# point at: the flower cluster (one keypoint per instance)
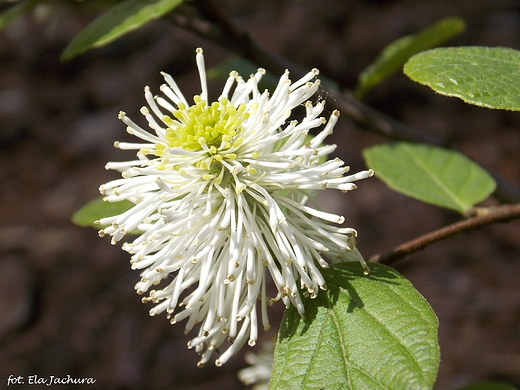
(219, 192)
(258, 373)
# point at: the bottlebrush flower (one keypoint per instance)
(220, 192)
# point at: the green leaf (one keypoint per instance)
(394, 56)
(364, 332)
(117, 21)
(489, 386)
(484, 76)
(434, 175)
(234, 62)
(97, 209)
(14, 11)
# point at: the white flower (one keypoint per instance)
(260, 367)
(219, 192)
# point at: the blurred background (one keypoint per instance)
(67, 299)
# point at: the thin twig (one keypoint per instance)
(369, 119)
(503, 213)
(211, 23)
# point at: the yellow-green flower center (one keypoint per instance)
(216, 126)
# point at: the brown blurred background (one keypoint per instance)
(67, 303)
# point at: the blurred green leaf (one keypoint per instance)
(117, 21)
(484, 76)
(233, 62)
(434, 175)
(14, 11)
(243, 67)
(395, 55)
(365, 332)
(97, 209)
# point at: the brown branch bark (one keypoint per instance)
(503, 213)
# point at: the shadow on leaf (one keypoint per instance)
(340, 279)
